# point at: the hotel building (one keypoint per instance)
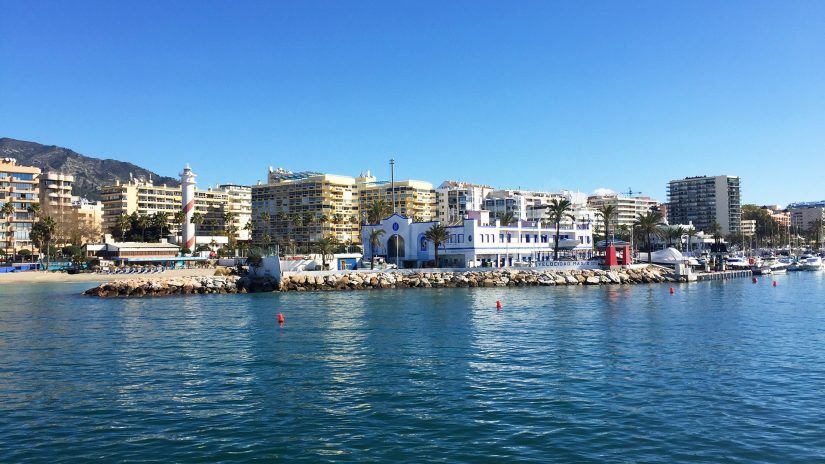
(704, 200)
(804, 215)
(478, 242)
(144, 198)
(304, 207)
(413, 198)
(240, 205)
(628, 208)
(454, 199)
(55, 193)
(18, 186)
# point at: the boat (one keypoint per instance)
(739, 262)
(810, 263)
(777, 265)
(764, 269)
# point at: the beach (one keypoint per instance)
(33, 277)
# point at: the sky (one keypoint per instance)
(547, 95)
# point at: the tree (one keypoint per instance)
(507, 218)
(438, 235)
(143, 222)
(326, 246)
(715, 231)
(607, 213)
(648, 226)
(179, 218)
(44, 231)
(690, 232)
(160, 220)
(674, 236)
(34, 209)
(378, 210)
(8, 210)
(375, 242)
(123, 223)
(557, 211)
(196, 219)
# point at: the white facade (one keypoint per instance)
(477, 242)
(454, 199)
(628, 208)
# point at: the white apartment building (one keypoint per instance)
(240, 205)
(704, 200)
(628, 208)
(454, 199)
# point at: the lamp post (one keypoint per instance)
(392, 187)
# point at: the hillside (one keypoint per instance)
(90, 173)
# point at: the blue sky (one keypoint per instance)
(543, 95)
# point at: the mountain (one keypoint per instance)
(89, 173)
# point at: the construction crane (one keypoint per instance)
(630, 192)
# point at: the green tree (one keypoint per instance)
(438, 235)
(690, 232)
(325, 246)
(8, 210)
(608, 213)
(375, 242)
(44, 231)
(507, 218)
(197, 219)
(143, 222)
(648, 225)
(378, 210)
(123, 224)
(557, 211)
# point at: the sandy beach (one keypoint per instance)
(34, 277)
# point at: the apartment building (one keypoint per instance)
(18, 186)
(704, 200)
(415, 199)
(55, 193)
(454, 199)
(748, 227)
(144, 198)
(804, 214)
(628, 208)
(303, 207)
(240, 205)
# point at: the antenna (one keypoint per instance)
(630, 192)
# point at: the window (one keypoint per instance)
(527, 238)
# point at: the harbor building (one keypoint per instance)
(303, 207)
(704, 200)
(804, 214)
(143, 197)
(413, 198)
(18, 186)
(480, 241)
(454, 199)
(628, 207)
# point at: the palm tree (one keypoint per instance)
(8, 210)
(179, 218)
(326, 246)
(44, 231)
(507, 218)
(143, 221)
(438, 235)
(123, 222)
(197, 219)
(715, 231)
(34, 209)
(375, 242)
(690, 232)
(557, 211)
(674, 236)
(161, 220)
(379, 209)
(648, 225)
(607, 213)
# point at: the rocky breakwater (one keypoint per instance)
(486, 278)
(182, 286)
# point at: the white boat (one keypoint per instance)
(810, 263)
(739, 262)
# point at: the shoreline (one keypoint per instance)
(42, 277)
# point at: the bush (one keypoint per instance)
(255, 257)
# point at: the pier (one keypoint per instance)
(724, 275)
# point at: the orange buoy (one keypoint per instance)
(498, 305)
(671, 290)
(280, 319)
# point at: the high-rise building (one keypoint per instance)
(144, 198)
(454, 199)
(240, 205)
(18, 186)
(415, 199)
(627, 207)
(706, 200)
(55, 193)
(303, 207)
(805, 214)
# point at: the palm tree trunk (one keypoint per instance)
(436, 254)
(649, 249)
(556, 247)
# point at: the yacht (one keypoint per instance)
(738, 262)
(810, 263)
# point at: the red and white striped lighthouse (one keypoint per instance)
(187, 186)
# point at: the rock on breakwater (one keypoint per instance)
(379, 280)
(485, 278)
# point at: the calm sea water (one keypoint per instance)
(717, 372)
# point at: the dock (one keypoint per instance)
(724, 275)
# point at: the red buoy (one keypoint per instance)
(754, 280)
(280, 319)
(774, 283)
(498, 305)
(671, 290)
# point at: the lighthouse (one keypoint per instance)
(187, 187)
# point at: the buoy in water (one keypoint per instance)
(753, 280)
(498, 305)
(774, 283)
(671, 290)
(280, 319)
